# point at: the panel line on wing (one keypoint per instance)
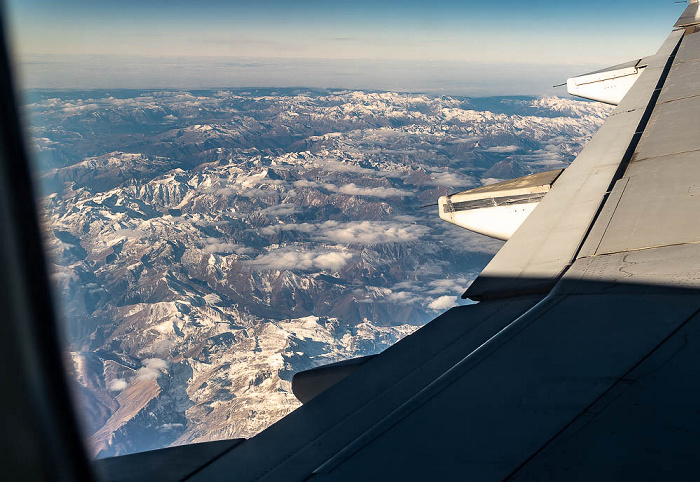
(643, 123)
(444, 381)
(595, 236)
(635, 250)
(607, 393)
(661, 156)
(629, 153)
(544, 247)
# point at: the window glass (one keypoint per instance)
(214, 228)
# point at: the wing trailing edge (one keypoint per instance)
(308, 384)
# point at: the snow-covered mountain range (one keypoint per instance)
(207, 245)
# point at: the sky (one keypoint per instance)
(474, 47)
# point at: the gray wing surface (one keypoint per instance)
(582, 357)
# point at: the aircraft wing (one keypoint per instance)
(582, 357)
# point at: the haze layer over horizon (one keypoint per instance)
(444, 47)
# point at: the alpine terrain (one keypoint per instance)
(207, 245)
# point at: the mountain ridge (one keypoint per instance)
(207, 245)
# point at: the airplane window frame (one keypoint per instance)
(41, 439)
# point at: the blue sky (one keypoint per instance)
(131, 43)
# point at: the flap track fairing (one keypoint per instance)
(607, 85)
(499, 209)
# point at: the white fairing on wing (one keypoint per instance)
(499, 209)
(608, 85)
(498, 222)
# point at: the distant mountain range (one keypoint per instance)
(207, 245)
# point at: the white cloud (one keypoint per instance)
(450, 179)
(353, 190)
(170, 426)
(401, 297)
(487, 181)
(415, 292)
(117, 385)
(214, 245)
(306, 183)
(221, 248)
(338, 166)
(407, 285)
(443, 303)
(465, 140)
(277, 228)
(461, 240)
(291, 259)
(255, 192)
(356, 232)
(223, 191)
(152, 368)
(502, 149)
(372, 232)
(446, 286)
(281, 209)
(334, 260)
(245, 191)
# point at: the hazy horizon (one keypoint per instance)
(431, 77)
(441, 47)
